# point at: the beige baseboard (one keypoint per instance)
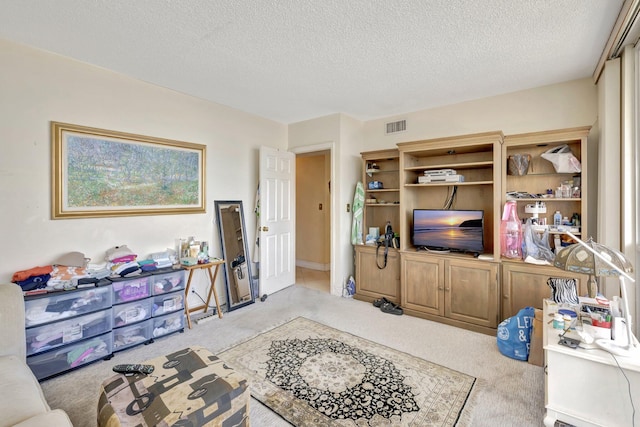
(312, 265)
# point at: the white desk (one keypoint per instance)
(586, 387)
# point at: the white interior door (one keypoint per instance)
(277, 220)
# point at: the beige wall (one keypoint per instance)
(344, 135)
(557, 106)
(38, 87)
(564, 105)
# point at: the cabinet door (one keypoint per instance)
(525, 285)
(423, 284)
(373, 282)
(471, 292)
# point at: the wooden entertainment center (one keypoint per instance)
(460, 289)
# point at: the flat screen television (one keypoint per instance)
(448, 230)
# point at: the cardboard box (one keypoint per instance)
(536, 353)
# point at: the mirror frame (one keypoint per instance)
(231, 258)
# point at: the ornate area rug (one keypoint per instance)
(314, 375)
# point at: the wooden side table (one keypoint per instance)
(212, 288)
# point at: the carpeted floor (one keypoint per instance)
(507, 392)
(312, 375)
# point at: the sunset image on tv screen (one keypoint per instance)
(448, 229)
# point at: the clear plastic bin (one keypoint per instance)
(128, 336)
(64, 304)
(50, 363)
(131, 289)
(53, 335)
(162, 283)
(167, 303)
(167, 324)
(133, 312)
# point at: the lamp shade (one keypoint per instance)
(597, 260)
(578, 259)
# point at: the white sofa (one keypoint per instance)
(21, 400)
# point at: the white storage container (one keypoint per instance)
(55, 306)
(167, 303)
(167, 324)
(131, 289)
(50, 363)
(168, 281)
(133, 312)
(53, 335)
(128, 336)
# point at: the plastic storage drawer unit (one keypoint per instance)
(168, 324)
(163, 282)
(131, 335)
(53, 335)
(167, 303)
(50, 363)
(130, 289)
(136, 311)
(64, 304)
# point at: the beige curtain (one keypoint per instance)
(618, 77)
(629, 172)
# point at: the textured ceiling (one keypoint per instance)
(291, 60)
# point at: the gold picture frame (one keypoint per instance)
(104, 173)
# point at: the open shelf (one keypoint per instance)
(449, 184)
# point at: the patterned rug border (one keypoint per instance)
(464, 418)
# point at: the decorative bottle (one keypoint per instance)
(511, 232)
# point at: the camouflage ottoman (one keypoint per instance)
(190, 387)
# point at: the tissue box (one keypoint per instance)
(188, 260)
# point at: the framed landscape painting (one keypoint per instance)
(103, 173)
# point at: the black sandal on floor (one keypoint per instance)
(378, 303)
(391, 308)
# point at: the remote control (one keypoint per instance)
(133, 369)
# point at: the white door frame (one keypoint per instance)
(327, 146)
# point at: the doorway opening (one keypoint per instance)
(313, 218)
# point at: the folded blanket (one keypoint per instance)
(35, 271)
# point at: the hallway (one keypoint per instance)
(313, 279)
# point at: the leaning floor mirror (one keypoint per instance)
(233, 241)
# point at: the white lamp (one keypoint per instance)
(577, 258)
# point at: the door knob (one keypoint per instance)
(265, 228)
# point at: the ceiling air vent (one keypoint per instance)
(395, 127)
